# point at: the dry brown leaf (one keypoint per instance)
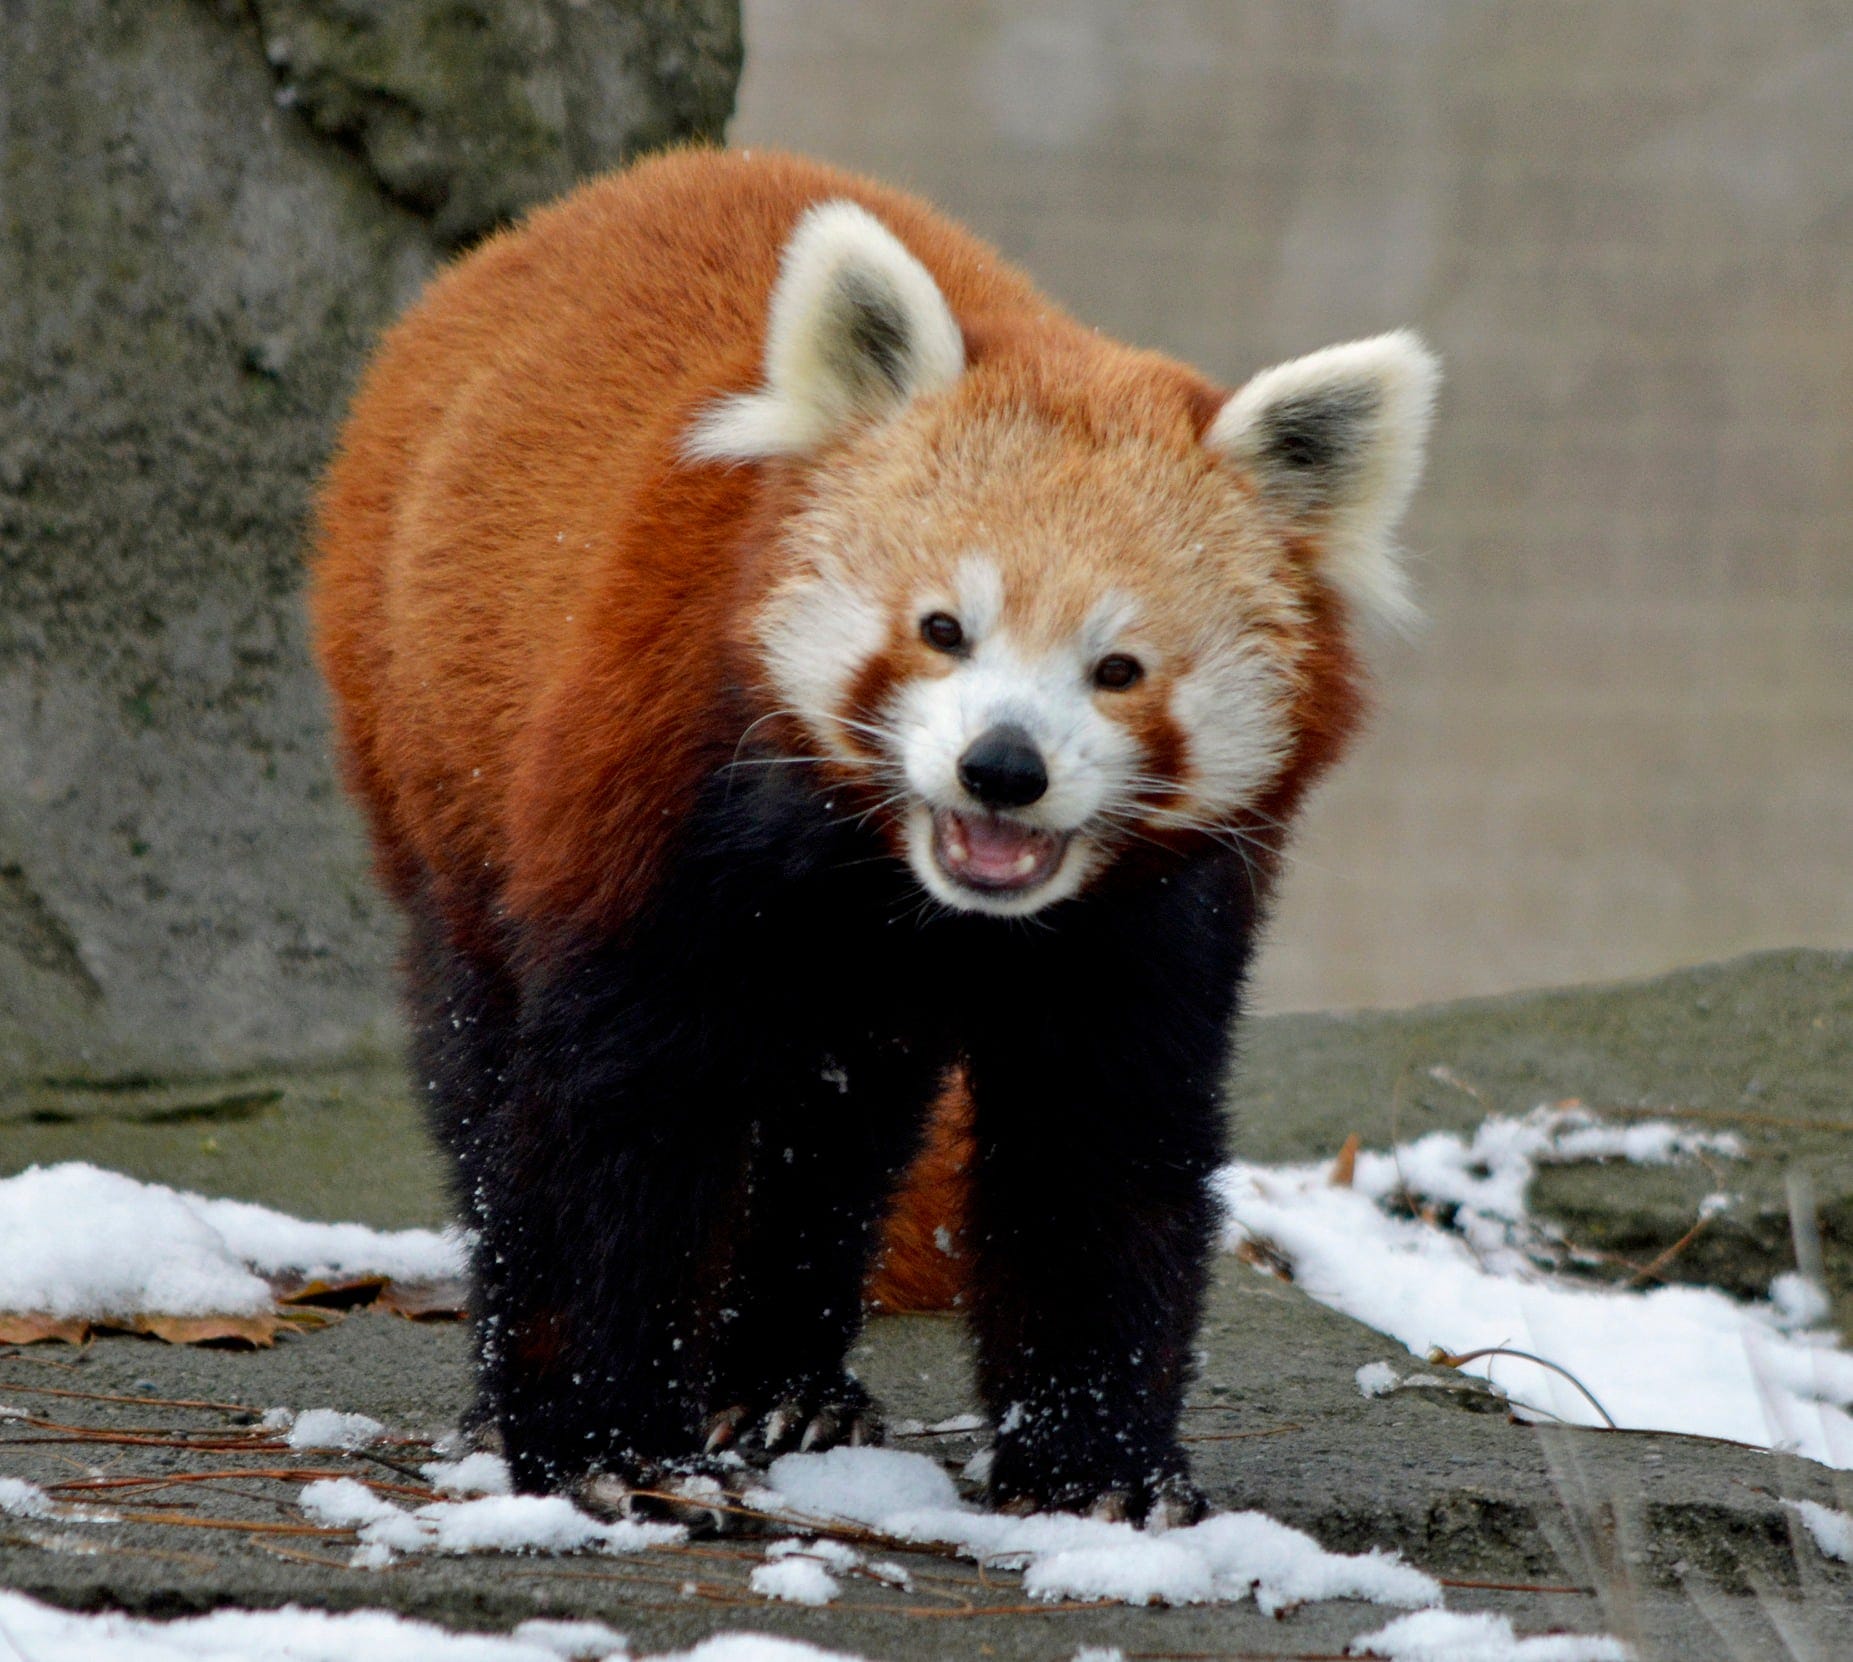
(1345, 1167)
(427, 1301)
(1265, 1255)
(32, 1330)
(253, 1332)
(333, 1295)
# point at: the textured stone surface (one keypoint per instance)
(206, 212)
(1673, 1541)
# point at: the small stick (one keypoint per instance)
(1442, 1359)
(1651, 1270)
(146, 1402)
(274, 1474)
(328, 1530)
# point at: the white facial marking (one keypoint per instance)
(978, 596)
(819, 630)
(1233, 710)
(1090, 759)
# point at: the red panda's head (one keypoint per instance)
(1046, 600)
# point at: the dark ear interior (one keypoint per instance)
(874, 341)
(1335, 439)
(1310, 443)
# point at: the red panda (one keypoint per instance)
(794, 675)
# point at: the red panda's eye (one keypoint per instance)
(1116, 672)
(943, 630)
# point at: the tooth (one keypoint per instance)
(1026, 863)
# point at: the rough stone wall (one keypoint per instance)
(206, 213)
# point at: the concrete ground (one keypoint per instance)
(1679, 1543)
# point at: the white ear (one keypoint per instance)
(1337, 439)
(857, 329)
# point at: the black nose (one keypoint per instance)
(1003, 768)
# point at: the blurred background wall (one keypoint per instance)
(1625, 740)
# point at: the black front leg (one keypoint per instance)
(827, 1157)
(609, 1205)
(1097, 1069)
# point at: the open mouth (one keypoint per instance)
(998, 855)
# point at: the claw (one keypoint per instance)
(1176, 1506)
(698, 1506)
(780, 1424)
(722, 1428)
(1115, 1506)
(823, 1431)
(607, 1496)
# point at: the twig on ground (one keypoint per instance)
(104, 1396)
(1445, 1359)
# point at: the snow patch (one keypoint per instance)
(573, 1641)
(80, 1242)
(1225, 1558)
(20, 1499)
(329, 1428)
(475, 1474)
(1832, 1530)
(493, 1523)
(1683, 1359)
(1447, 1636)
(796, 1580)
(49, 1635)
(1376, 1379)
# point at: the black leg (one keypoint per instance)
(825, 1164)
(462, 1009)
(1096, 1080)
(610, 1203)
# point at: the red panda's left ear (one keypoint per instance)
(1336, 440)
(856, 329)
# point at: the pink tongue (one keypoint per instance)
(995, 846)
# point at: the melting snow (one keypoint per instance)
(1832, 1530)
(1684, 1359)
(492, 1523)
(1445, 1636)
(329, 1428)
(20, 1499)
(796, 1580)
(1225, 1558)
(48, 1635)
(76, 1241)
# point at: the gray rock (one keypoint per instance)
(1682, 1544)
(207, 211)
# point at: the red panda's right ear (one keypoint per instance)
(857, 329)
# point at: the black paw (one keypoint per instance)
(799, 1419)
(703, 1496)
(1162, 1497)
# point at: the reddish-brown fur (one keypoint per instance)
(526, 598)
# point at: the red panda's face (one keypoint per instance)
(1041, 603)
(1033, 651)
